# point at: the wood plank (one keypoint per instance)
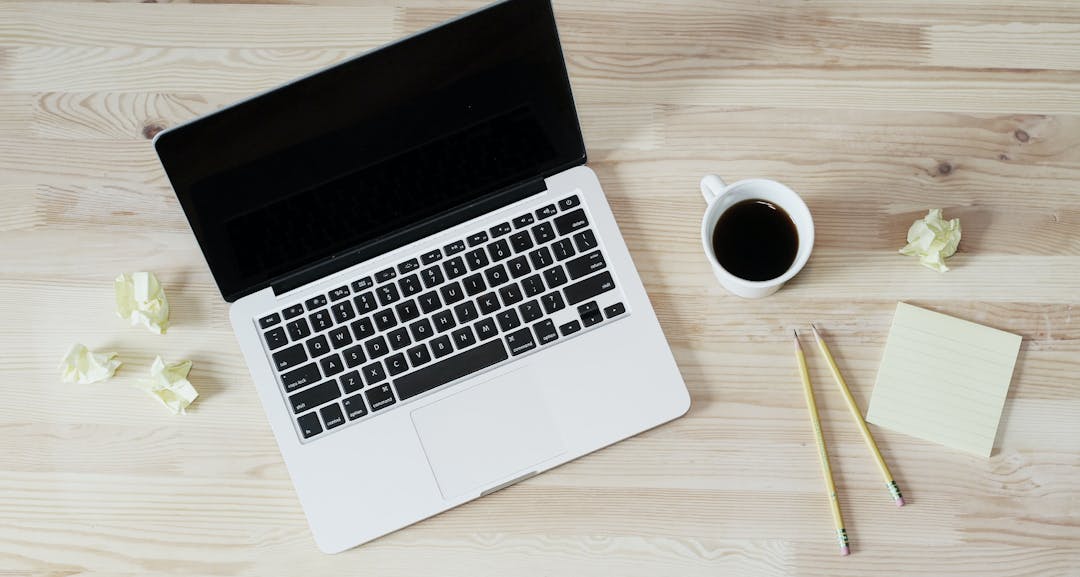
(1049, 45)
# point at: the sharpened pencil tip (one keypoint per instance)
(814, 328)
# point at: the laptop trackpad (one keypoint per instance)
(492, 432)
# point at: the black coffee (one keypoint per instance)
(755, 240)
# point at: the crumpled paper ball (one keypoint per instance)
(933, 239)
(141, 300)
(168, 383)
(80, 365)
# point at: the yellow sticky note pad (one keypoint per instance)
(943, 379)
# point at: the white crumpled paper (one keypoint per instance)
(83, 366)
(933, 239)
(141, 300)
(168, 383)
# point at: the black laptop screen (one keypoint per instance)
(311, 171)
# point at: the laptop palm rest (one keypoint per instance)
(497, 430)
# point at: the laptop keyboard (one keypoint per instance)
(442, 315)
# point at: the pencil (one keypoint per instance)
(838, 519)
(857, 414)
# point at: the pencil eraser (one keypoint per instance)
(899, 501)
(845, 550)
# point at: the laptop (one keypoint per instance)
(426, 281)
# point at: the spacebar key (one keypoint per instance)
(449, 369)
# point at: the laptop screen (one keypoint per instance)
(311, 172)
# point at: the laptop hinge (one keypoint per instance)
(404, 236)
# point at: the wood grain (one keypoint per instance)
(873, 111)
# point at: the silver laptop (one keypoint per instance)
(427, 283)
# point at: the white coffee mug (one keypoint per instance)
(722, 197)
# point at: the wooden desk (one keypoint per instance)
(875, 112)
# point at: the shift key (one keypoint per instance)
(314, 396)
(589, 288)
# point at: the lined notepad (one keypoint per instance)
(943, 379)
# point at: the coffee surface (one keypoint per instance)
(755, 240)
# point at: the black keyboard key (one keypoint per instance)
(309, 425)
(450, 369)
(552, 302)
(589, 288)
(444, 321)
(431, 256)
(410, 285)
(489, 303)
(454, 267)
(331, 415)
(298, 329)
(373, 373)
(418, 355)
(320, 320)
(408, 266)
(343, 311)
(571, 221)
(441, 346)
(331, 365)
(523, 220)
(407, 311)
(385, 319)
(301, 377)
(315, 302)
(496, 275)
(545, 331)
(269, 321)
(429, 302)
(293, 311)
(518, 266)
(585, 240)
(500, 229)
(614, 310)
(339, 293)
(587, 308)
(530, 311)
(362, 328)
(354, 356)
(380, 397)
(508, 319)
(543, 232)
(432, 276)
(532, 285)
(592, 318)
(376, 347)
(477, 259)
(275, 339)
(312, 397)
(290, 357)
(452, 293)
(555, 276)
(466, 312)
(510, 294)
(520, 341)
(365, 303)
(563, 249)
(454, 247)
(485, 328)
(316, 346)
(585, 265)
(474, 284)
(421, 330)
(541, 258)
(388, 294)
(359, 285)
(546, 212)
(521, 241)
(351, 382)
(463, 337)
(396, 364)
(398, 338)
(570, 328)
(354, 407)
(477, 238)
(569, 202)
(499, 250)
(385, 275)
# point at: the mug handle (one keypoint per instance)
(712, 186)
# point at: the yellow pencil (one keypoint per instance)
(857, 414)
(841, 534)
